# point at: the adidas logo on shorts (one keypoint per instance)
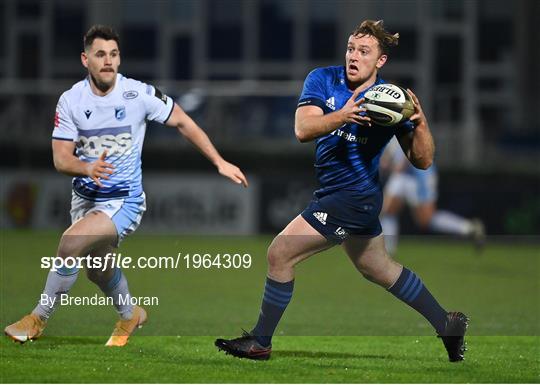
(321, 217)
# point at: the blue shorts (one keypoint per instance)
(345, 212)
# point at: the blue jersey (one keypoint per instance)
(348, 157)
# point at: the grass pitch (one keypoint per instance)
(338, 327)
(296, 360)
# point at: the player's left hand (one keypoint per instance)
(232, 172)
(418, 116)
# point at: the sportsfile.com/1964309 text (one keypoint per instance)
(187, 261)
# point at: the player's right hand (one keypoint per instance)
(352, 109)
(232, 172)
(100, 169)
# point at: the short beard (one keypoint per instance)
(103, 87)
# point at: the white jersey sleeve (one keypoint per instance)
(159, 106)
(64, 128)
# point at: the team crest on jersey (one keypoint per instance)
(120, 112)
(130, 94)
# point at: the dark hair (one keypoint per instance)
(376, 29)
(98, 31)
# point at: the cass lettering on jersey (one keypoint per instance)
(349, 156)
(116, 123)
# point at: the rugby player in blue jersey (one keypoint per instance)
(345, 210)
(98, 136)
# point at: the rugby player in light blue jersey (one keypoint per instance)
(418, 189)
(345, 210)
(98, 135)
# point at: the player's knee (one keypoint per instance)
(392, 207)
(423, 223)
(424, 215)
(374, 270)
(369, 272)
(273, 257)
(277, 255)
(71, 246)
(366, 274)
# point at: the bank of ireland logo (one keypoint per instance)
(120, 112)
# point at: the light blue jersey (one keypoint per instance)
(115, 122)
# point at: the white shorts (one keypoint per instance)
(414, 189)
(126, 213)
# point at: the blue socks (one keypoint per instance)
(276, 297)
(410, 289)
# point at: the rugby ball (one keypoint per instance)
(388, 104)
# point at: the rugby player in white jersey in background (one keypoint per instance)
(418, 189)
(98, 135)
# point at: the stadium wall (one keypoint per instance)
(188, 203)
(203, 203)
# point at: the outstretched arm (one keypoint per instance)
(418, 145)
(192, 132)
(310, 122)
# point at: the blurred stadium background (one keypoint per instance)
(237, 66)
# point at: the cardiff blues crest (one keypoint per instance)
(120, 112)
